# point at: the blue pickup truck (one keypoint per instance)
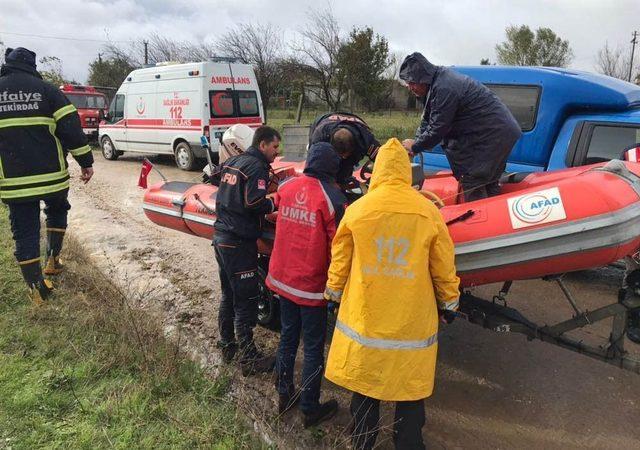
(568, 118)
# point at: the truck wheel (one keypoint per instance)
(108, 150)
(268, 304)
(185, 159)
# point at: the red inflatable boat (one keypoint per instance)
(542, 224)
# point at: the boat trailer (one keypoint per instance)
(497, 316)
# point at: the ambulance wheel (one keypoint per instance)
(268, 304)
(185, 159)
(108, 150)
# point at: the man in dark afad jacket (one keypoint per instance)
(38, 128)
(310, 208)
(350, 137)
(476, 129)
(241, 203)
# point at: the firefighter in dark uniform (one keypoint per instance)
(38, 127)
(350, 137)
(241, 203)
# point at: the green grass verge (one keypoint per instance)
(385, 124)
(87, 371)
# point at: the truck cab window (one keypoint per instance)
(522, 101)
(608, 141)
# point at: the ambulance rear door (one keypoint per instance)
(234, 97)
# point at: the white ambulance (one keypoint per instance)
(166, 108)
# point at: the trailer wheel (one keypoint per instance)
(268, 304)
(108, 150)
(185, 159)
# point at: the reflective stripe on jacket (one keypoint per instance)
(38, 127)
(392, 262)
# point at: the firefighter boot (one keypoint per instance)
(39, 287)
(633, 327)
(55, 236)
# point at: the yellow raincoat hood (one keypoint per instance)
(393, 266)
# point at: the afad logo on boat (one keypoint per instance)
(536, 208)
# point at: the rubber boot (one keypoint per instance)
(39, 287)
(633, 327)
(55, 237)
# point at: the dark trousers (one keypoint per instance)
(478, 189)
(477, 186)
(311, 322)
(238, 268)
(407, 425)
(25, 223)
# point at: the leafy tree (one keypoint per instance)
(109, 72)
(363, 59)
(523, 47)
(485, 62)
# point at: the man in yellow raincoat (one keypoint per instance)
(392, 270)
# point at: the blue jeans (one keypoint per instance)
(25, 223)
(311, 321)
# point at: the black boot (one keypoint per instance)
(228, 351)
(38, 286)
(287, 401)
(55, 237)
(633, 325)
(253, 362)
(324, 412)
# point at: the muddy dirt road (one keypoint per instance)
(492, 390)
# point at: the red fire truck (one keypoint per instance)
(91, 105)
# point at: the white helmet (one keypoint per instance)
(235, 141)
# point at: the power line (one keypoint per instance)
(633, 47)
(64, 38)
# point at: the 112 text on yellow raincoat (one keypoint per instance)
(393, 262)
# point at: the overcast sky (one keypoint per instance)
(446, 31)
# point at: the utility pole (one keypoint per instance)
(633, 47)
(146, 52)
(99, 58)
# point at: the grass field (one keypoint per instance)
(385, 124)
(87, 371)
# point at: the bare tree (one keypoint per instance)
(260, 45)
(160, 49)
(2, 50)
(320, 49)
(613, 62)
